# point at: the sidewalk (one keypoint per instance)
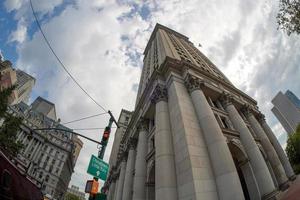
(293, 193)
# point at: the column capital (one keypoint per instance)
(226, 99)
(142, 124)
(132, 143)
(159, 94)
(193, 83)
(261, 118)
(247, 110)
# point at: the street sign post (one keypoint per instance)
(98, 168)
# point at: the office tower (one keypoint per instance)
(193, 134)
(287, 110)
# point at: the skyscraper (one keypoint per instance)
(193, 134)
(287, 110)
(23, 81)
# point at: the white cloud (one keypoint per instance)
(19, 35)
(12, 4)
(239, 36)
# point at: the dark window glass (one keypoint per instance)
(6, 179)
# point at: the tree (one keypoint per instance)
(288, 17)
(10, 125)
(70, 196)
(293, 149)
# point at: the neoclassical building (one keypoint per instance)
(193, 134)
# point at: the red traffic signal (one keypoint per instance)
(105, 135)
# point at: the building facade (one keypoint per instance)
(75, 191)
(287, 110)
(49, 156)
(193, 134)
(23, 82)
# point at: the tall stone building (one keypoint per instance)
(193, 134)
(23, 81)
(49, 156)
(287, 110)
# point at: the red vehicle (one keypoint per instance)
(14, 185)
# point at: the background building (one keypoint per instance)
(75, 191)
(287, 110)
(23, 81)
(49, 156)
(193, 134)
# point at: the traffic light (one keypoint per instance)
(92, 186)
(105, 135)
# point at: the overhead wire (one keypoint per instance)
(82, 129)
(76, 120)
(59, 60)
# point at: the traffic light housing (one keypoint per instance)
(105, 136)
(92, 186)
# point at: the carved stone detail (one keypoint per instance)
(247, 110)
(159, 94)
(142, 124)
(132, 143)
(226, 99)
(261, 118)
(193, 83)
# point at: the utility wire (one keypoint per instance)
(60, 62)
(81, 129)
(76, 120)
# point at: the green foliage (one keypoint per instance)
(10, 125)
(288, 17)
(293, 150)
(70, 196)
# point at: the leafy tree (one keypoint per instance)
(293, 150)
(70, 196)
(288, 17)
(10, 125)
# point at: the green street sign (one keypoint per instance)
(98, 168)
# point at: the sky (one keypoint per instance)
(101, 43)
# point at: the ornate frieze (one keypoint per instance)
(160, 93)
(193, 83)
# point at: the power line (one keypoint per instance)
(60, 62)
(81, 129)
(76, 120)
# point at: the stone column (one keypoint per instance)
(121, 179)
(128, 182)
(116, 188)
(165, 174)
(36, 150)
(260, 169)
(139, 189)
(28, 146)
(268, 148)
(227, 179)
(112, 188)
(280, 152)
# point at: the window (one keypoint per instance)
(41, 175)
(57, 170)
(47, 178)
(6, 179)
(225, 122)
